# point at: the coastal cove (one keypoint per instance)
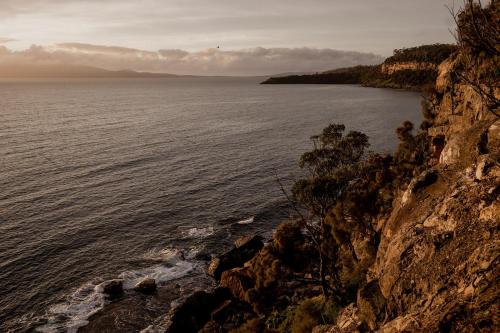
(141, 177)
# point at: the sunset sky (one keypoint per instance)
(181, 36)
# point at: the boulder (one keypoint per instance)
(113, 288)
(247, 241)
(245, 249)
(215, 268)
(371, 304)
(220, 314)
(347, 321)
(195, 312)
(237, 281)
(494, 137)
(210, 327)
(425, 179)
(232, 314)
(451, 152)
(484, 162)
(146, 286)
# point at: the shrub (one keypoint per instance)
(292, 246)
(312, 312)
(281, 321)
(252, 326)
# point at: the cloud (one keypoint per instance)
(4, 40)
(361, 25)
(252, 61)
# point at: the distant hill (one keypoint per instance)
(70, 71)
(350, 75)
(291, 74)
(408, 68)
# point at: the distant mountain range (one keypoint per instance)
(71, 71)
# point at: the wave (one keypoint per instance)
(162, 254)
(88, 299)
(199, 232)
(74, 313)
(161, 273)
(246, 221)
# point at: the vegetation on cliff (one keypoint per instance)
(478, 36)
(431, 54)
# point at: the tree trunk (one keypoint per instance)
(322, 274)
(322, 262)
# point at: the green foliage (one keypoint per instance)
(351, 75)
(292, 246)
(434, 54)
(478, 29)
(331, 165)
(288, 237)
(346, 189)
(267, 268)
(404, 79)
(478, 62)
(312, 312)
(281, 321)
(412, 151)
(251, 326)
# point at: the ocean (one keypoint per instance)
(106, 178)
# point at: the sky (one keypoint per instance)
(182, 36)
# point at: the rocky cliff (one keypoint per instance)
(430, 263)
(404, 66)
(402, 243)
(437, 263)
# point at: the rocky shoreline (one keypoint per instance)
(411, 245)
(420, 253)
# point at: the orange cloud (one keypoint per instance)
(4, 40)
(253, 61)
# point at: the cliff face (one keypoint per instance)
(437, 263)
(412, 66)
(431, 264)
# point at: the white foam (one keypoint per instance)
(162, 254)
(246, 221)
(74, 313)
(161, 273)
(199, 232)
(89, 298)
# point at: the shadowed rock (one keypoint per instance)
(113, 288)
(196, 311)
(245, 249)
(146, 286)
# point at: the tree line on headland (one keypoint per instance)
(418, 69)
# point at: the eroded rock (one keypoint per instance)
(113, 288)
(237, 281)
(371, 304)
(245, 249)
(194, 313)
(146, 286)
(425, 179)
(484, 162)
(494, 137)
(451, 152)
